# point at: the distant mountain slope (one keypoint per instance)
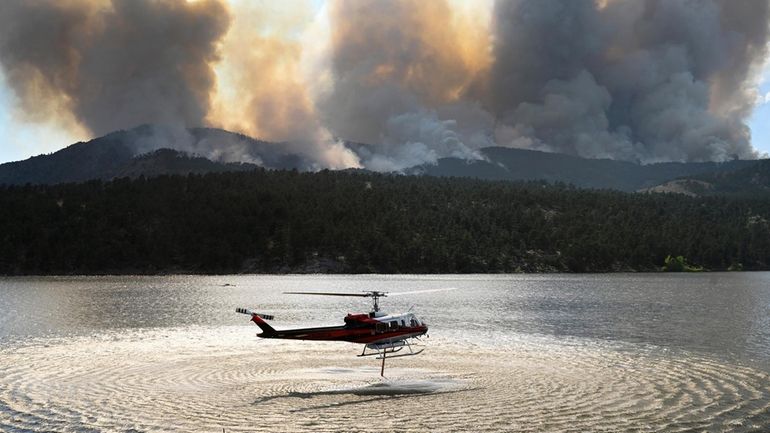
(751, 180)
(132, 153)
(96, 159)
(519, 164)
(168, 161)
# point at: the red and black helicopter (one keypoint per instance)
(383, 335)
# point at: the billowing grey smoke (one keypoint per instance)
(415, 138)
(113, 64)
(214, 144)
(641, 80)
(398, 67)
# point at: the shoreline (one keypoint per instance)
(290, 274)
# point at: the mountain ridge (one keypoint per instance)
(124, 152)
(503, 163)
(134, 152)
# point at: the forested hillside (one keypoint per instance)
(285, 221)
(153, 150)
(150, 150)
(503, 163)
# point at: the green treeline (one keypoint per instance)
(285, 221)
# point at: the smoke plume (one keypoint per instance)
(387, 84)
(394, 66)
(113, 64)
(263, 90)
(641, 80)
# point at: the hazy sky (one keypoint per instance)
(20, 139)
(760, 118)
(636, 80)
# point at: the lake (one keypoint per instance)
(561, 353)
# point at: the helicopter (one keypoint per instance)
(383, 335)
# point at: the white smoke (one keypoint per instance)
(417, 138)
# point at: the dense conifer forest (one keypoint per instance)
(286, 221)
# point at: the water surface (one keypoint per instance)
(620, 352)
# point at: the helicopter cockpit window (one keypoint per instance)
(403, 323)
(394, 324)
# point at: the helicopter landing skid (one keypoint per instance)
(384, 350)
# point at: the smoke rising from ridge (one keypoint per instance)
(415, 81)
(113, 65)
(267, 95)
(394, 65)
(642, 80)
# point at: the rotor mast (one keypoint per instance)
(375, 295)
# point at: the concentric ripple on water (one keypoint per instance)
(223, 378)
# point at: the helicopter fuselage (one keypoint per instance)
(383, 335)
(375, 327)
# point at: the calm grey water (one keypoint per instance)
(620, 352)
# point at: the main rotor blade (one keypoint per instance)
(358, 295)
(414, 292)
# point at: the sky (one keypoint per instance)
(642, 80)
(20, 139)
(759, 122)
